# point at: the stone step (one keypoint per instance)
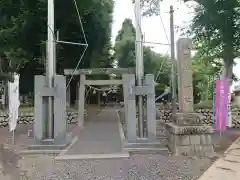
(46, 147)
(47, 144)
(161, 136)
(47, 141)
(147, 148)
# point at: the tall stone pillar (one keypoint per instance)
(130, 107)
(76, 102)
(184, 69)
(186, 134)
(81, 100)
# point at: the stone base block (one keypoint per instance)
(189, 140)
(187, 119)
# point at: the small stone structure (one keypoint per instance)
(187, 135)
(56, 134)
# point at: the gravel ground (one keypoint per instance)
(138, 167)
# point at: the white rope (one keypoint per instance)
(85, 39)
(159, 43)
(80, 21)
(161, 65)
(165, 32)
(77, 66)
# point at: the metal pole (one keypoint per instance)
(173, 76)
(139, 64)
(50, 68)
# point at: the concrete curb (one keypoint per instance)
(226, 167)
(70, 145)
(123, 138)
(93, 156)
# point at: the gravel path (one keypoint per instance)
(137, 167)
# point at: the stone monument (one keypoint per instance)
(186, 135)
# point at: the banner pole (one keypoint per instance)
(213, 108)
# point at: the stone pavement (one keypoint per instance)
(101, 136)
(226, 167)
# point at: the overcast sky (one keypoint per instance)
(152, 27)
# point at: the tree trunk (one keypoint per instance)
(227, 72)
(204, 93)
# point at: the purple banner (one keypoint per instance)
(221, 105)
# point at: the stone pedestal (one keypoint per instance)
(186, 135)
(60, 137)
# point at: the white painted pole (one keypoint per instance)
(50, 68)
(139, 64)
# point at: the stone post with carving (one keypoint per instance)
(186, 134)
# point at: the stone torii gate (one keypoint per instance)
(130, 91)
(83, 82)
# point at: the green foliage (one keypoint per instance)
(215, 31)
(125, 55)
(125, 45)
(23, 33)
(24, 25)
(204, 105)
(204, 76)
(150, 7)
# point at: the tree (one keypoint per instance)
(216, 28)
(125, 55)
(23, 32)
(125, 45)
(204, 76)
(150, 7)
